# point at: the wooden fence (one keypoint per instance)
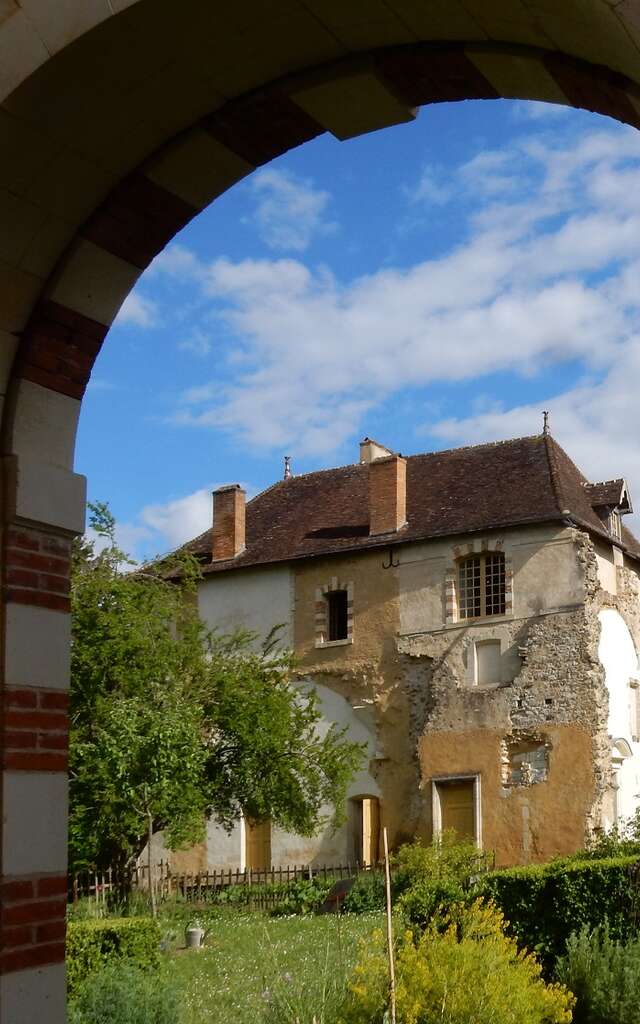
(104, 887)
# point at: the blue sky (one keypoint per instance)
(431, 285)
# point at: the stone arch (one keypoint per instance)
(120, 120)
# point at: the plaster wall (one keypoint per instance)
(222, 849)
(367, 671)
(521, 824)
(617, 653)
(252, 599)
(329, 846)
(550, 693)
(226, 850)
(546, 574)
(607, 574)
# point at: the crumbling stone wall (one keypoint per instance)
(556, 698)
(433, 723)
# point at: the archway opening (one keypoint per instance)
(101, 176)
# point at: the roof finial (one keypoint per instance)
(287, 467)
(545, 423)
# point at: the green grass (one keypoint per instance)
(253, 968)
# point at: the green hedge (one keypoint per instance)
(545, 903)
(93, 944)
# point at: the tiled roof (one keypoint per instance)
(607, 493)
(460, 491)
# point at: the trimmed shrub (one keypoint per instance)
(426, 899)
(123, 994)
(459, 971)
(545, 903)
(604, 976)
(92, 945)
(427, 880)
(446, 859)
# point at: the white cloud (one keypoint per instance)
(177, 261)
(432, 188)
(547, 273)
(197, 341)
(597, 422)
(165, 526)
(289, 211)
(537, 110)
(179, 519)
(138, 310)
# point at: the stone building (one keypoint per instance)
(472, 615)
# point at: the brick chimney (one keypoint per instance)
(371, 450)
(387, 494)
(228, 522)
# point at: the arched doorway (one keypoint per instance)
(120, 121)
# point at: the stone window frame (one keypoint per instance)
(473, 656)
(436, 809)
(322, 612)
(458, 553)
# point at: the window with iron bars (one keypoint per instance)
(481, 585)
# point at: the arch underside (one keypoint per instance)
(119, 122)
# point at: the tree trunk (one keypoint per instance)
(152, 881)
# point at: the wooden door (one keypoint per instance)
(370, 830)
(457, 807)
(258, 845)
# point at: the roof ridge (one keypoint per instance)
(416, 455)
(312, 472)
(554, 473)
(472, 447)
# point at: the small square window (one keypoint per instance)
(338, 614)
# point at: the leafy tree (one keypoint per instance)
(171, 722)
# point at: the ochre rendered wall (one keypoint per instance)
(367, 671)
(521, 823)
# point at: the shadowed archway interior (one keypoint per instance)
(119, 123)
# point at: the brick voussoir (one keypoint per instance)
(31, 956)
(137, 219)
(56, 720)
(28, 761)
(35, 911)
(55, 602)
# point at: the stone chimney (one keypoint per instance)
(228, 522)
(387, 494)
(370, 450)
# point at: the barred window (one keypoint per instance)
(481, 585)
(338, 602)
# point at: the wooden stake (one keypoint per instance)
(392, 970)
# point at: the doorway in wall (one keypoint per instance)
(456, 806)
(365, 817)
(258, 845)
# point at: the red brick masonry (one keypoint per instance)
(32, 921)
(37, 568)
(35, 730)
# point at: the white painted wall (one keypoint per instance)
(253, 599)
(257, 600)
(617, 654)
(331, 847)
(328, 847)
